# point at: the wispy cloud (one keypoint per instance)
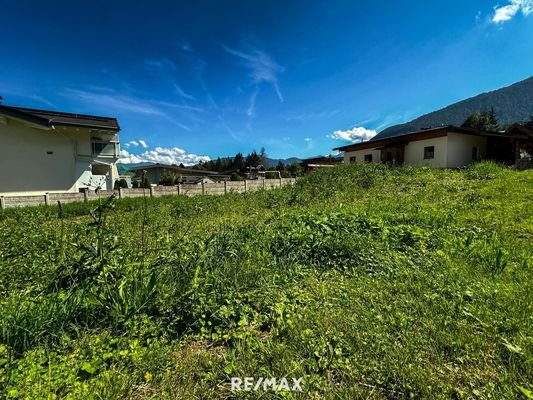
(507, 12)
(185, 46)
(312, 116)
(308, 139)
(251, 108)
(183, 94)
(111, 100)
(262, 67)
(7, 91)
(178, 106)
(356, 134)
(161, 64)
(163, 155)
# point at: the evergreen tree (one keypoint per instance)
(482, 121)
(529, 123)
(263, 158)
(238, 162)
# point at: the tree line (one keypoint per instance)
(238, 165)
(488, 121)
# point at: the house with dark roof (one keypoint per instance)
(48, 151)
(442, 147)
(156, 173)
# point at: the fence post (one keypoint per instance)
(46, 198)
(264, 182)
(119, 192)
(151, 191)
(245, 185)
(280, 181)
(179, 189)
(2, 203)
(225, 187)
(86, 195)
(203, 188)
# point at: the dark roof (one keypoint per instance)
(322, 159)
(51, 118)
(412, 136)
(519, 129)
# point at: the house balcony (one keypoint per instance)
(105, 149)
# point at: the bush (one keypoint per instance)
(121, 183)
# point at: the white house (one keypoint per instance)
(443, 147)
(48, 151)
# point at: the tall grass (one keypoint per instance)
(368, 282)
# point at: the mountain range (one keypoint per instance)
(512, 103)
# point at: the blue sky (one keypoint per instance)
(191, 80)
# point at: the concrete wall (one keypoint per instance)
(360, 155)
(460, 149)
(220, 188)
(36, 160)
(414, 152)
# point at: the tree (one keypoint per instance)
(263, 158)
(295, 169)
(238, 162)
(492, 120)
(120, 183)
(218, 165)
(529, 123)
(482, 121)
(168, 178)
(252, 159)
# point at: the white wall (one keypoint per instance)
(414, 152)
(460, 149)
(28, 168)
(360, 155)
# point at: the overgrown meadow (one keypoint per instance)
(366, 281)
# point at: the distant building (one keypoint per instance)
(47, 151)
(443, 147)
(156, 173)
(320, 162)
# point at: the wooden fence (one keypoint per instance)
(219, 188)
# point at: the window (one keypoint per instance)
(352, 159)
(475, 153)
(368, 157)
(388, 156)
(429, 152)
(103, 149)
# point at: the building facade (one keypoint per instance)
(47, 151)
(444, 147)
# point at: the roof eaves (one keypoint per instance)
(22, 115)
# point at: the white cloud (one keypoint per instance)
(263, 67)
(136, 143)
(505, 13)
(308, 139)
(163, 155)
(356, 134)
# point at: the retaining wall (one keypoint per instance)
(219, 188)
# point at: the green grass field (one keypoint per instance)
(365, 281)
